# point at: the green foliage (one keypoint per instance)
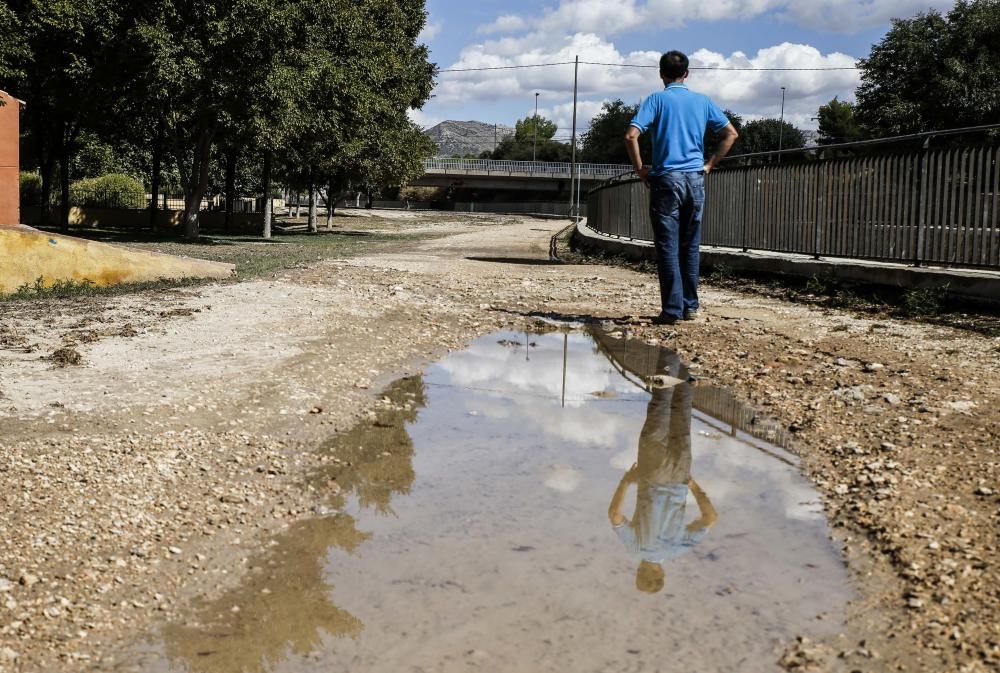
(113, 190)
(512, 149)
(712, 139)
(933, 72)
(31, 188)
(534, 127)
(765, 135)
(604, 142)
(924, 301)
(837, 123)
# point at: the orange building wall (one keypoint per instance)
(9, 161)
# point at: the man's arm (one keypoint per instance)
(634, 154)
(727, 137)
(708, 514)
(615, 515)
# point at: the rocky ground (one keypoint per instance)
(150, 442)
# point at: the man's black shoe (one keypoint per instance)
(664, 320)
(691, 314)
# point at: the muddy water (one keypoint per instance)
(537, 503)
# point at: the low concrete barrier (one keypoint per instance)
(29, 254)
(972, 285)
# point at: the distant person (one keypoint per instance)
(677, 118)
(657, 531)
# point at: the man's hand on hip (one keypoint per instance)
(643, 174)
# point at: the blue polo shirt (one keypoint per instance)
(678, 117)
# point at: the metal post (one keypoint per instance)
(821, 200)
(746, 199)
(781, 124)
(572, 211)
(534, 128)
(565, 353)
(922, 195)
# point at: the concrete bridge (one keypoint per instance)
(520, 175)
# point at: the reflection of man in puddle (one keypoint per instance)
(662, 476)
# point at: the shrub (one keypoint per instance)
(31, 188)
(109, 191)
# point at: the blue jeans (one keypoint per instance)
(676, 201)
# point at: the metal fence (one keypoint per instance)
(935, 206)
(523, 167)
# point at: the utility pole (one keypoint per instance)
(781, 124)
(534, 128)
(572, 170)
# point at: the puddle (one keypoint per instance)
(470, 527)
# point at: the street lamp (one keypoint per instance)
(534, 128)
(781, 124)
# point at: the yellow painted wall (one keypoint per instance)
(27, 254)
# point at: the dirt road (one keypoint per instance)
(145, 474)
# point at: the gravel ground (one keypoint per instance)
(151, 442)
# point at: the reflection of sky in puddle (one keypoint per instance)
(475, 533)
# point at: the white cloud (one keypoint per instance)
(430, 31)
(612, 18)
(508, 23)
(422, 119)
(749, 93)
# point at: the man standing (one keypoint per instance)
(677, 119)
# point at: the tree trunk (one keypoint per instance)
(298, 200)
(64, 169)
(331, 206)
(232, 156)
(268, 202)
(155, 176)
(370, 203)
(199, 183)
(47, 170)
(313, 224)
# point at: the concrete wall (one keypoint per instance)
(968, 285)
(29, 254)
(10, 191)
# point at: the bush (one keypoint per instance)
(109, 191)
(31, 188)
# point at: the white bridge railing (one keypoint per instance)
(489, 166)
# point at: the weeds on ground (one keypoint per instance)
(924, 301)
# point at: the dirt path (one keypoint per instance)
(147, 473)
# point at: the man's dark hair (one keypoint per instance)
(673, 65)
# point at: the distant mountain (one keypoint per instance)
(454, 138)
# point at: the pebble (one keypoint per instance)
(984, 490)
(872, 367)
(27, 580)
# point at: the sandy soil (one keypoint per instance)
(148, 472)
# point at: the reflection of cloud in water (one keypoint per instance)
(590, 425)
(486, 364)
(625, 459)
(563, 479)
(743, 473)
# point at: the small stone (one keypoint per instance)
(7, 655)
(174, 550)
(872, 367)
(892, 399)
(841, 362)
(887, 446)
(984, 490)
(5, 585)
(915, 603)
(27, 580)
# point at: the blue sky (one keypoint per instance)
(760, 33)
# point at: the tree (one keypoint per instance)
(765, 135)
(837, 123)
(526, 129)
(65, 60)
(604, 142)
(933, 72)
(712, 139)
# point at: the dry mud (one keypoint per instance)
(151, 443)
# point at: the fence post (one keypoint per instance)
(746, 197)
(629, 200)
(821, 207)
(922, 195)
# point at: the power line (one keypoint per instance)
(640, 65)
